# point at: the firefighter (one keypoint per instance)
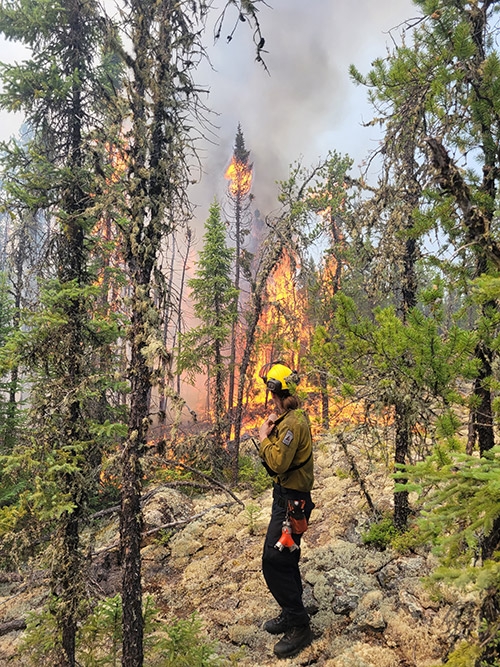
(286, 451)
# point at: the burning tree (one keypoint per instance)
(275, 273)
(284, 326)
(239, 174)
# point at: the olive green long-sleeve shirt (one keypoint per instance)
(288, 445)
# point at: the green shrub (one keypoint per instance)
(180, 643)
(41, 644)
(464, 656)
(253, 512)
(381, 533)
(407, 542)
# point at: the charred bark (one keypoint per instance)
(325, 400)
(402, 449)
(67, 583)
(131, 516)
(218, 397)
(131, 522)
(482, 414)
(488, 634)
(14, 625)
(491, 542)
(253, 320)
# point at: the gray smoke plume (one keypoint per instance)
(307, 104)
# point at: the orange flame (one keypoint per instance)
(240, 176)
(285, 327)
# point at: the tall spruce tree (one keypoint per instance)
(163, 100)
(64, 95)
(214, 297)
(165, 116)
(440, 91)
(436, 98)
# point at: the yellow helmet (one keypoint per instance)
(278, 377)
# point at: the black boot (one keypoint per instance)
(278, 625)
(293, 641)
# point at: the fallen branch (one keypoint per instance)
(213, 481)
(356, 475)
(172, 485)
(165, 526)
(12, 626)
(180, 522)
(150, 494)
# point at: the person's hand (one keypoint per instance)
(267, 426)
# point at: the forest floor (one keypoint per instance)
(369, 607)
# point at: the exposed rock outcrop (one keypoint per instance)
(369, 608)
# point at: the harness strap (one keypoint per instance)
(301, 464)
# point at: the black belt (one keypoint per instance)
(281, 495)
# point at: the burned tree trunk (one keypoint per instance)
(402, 449)
(272, 251)
(325, 400)
(165, 43)
(481, 417)
(130, 515)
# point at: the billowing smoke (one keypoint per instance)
(307, 103)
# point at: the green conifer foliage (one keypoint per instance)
(438, 94)
(460, 517)
(214, 298)
(60, 88)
